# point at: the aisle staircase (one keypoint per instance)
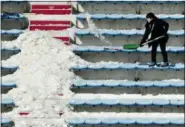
(14, 22)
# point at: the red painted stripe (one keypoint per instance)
(40, 6)
(48, 27)
(23, 113)
(45, 22)
(66, 39)
(52, 12)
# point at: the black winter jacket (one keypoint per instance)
(160, 28)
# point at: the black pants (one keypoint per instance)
(162, 44)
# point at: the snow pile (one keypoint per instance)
(43, 73)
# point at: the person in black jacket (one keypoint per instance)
(155, 28)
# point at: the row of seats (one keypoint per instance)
(127, 66)
(125, 102)
(121, 49)
(103, 32)
(128, 16)
(131, 1)
(125, 121)
(109, 49)
(100, 16)
(83, 32)
(122, 83)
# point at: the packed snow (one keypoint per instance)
(44, 72)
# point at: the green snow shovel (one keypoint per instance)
(134, 46)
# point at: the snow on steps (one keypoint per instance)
(99, 49)
(127, 16)
(125, 118)
(132, 99)
(81, 49)
(124, 66)
(127, 83)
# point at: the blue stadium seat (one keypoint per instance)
(92, 121)
(94, 84)
(177, 84)
(144, 84)
(95, 67)
(8, 84)
(110, 102)
(127, 102)
(5, 121)
(143, 66)
(11, 49)
(160, 102)
(161, 121)
(109, 121)
(82, 32)
(110, 84)
(144, 102)
(95, 101)
(111, 66)
(161, 84)
(98, 16)
(77, 102)
(127, 66)
(112, 32)
(177, 102)
(126, 121)
(11, 68)
(176, 32)
(127, 83)
(177, 17)
(144, 121)
(177, 121)
(114, 16)
(79, 67)
(7, 102)
(177, 49)
(12, 16)
(81, 49)
(76, 121)
(11, 32)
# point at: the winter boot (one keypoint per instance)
(152, 64)
(164, 64)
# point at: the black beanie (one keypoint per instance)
(150, 15)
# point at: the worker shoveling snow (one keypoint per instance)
(43, 74)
